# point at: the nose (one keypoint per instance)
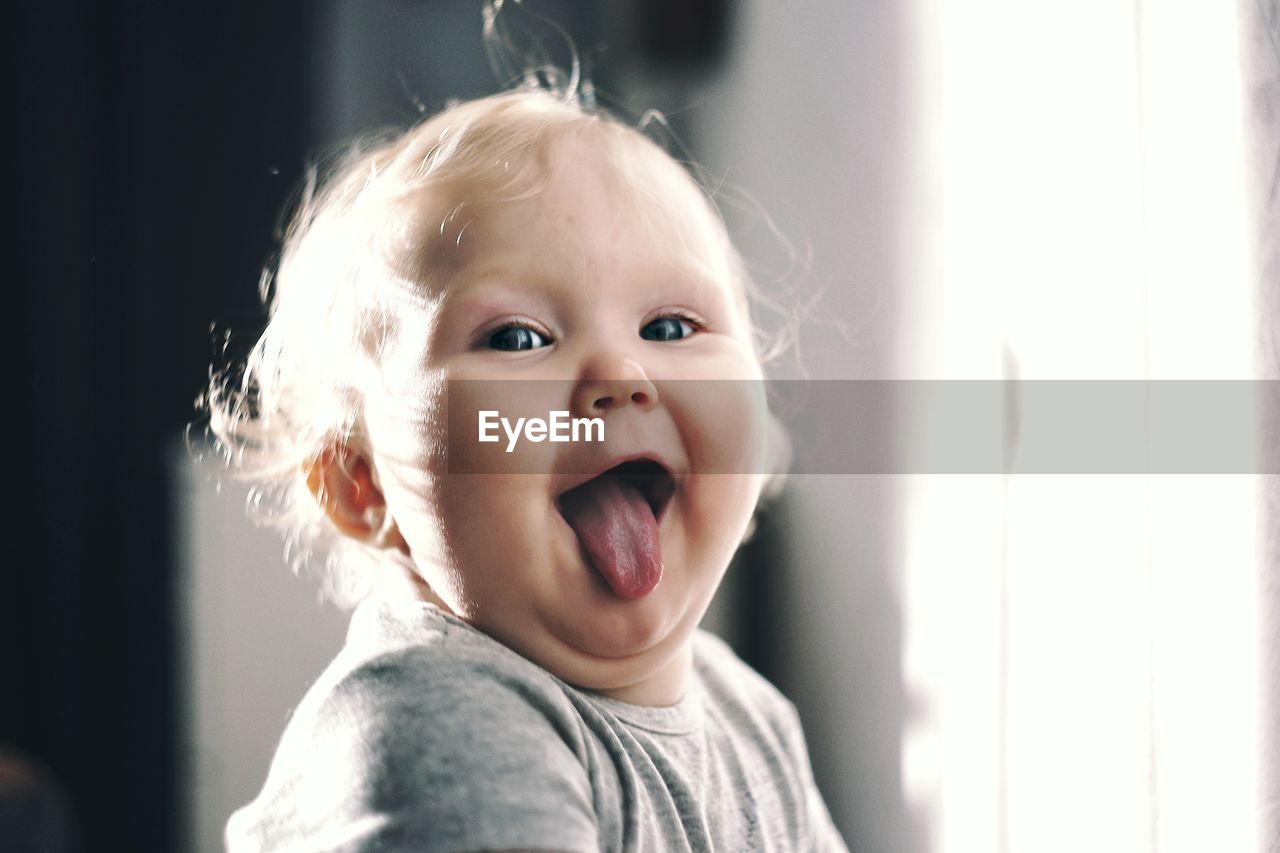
(611, 382)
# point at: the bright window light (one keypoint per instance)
(1082, 651)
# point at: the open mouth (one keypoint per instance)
(615, 516)
(648, 476)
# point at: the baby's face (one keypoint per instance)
(599, 578)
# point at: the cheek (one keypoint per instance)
(465, 507)
(405, 427)
(483, 520)
(724, 423)
(405, 418)
(498, 537)
(721, 506)
(483, 414)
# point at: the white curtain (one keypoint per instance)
(1083, 654)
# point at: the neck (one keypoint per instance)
(397, 578)
(661, 689)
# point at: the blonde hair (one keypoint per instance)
(335, 298)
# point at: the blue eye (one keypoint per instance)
(667, 329)
(515, 338)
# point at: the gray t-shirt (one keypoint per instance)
(426, 734)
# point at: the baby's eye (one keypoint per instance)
(668, 328)
(514, 338)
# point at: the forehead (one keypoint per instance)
(593, 196)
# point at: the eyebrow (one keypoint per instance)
(485, 294)
(491, 277)
(528, 283)
(485, 271)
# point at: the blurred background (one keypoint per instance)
(978, 190)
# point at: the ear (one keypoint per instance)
(342, 481)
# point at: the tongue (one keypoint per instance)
(616, 527)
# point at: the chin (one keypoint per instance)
(628, 629)
(630, 639)
(609, 674)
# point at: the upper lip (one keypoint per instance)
(658, 494)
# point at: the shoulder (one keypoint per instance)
(745, 704)
(422, 727)
(412, 665)
(730, 683)
(760, 724)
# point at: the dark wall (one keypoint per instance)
(154, 145)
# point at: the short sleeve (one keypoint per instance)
(822, 833)
(764, 724)
(409, 753)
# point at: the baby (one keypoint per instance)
(524, 669)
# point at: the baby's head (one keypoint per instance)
(438, 275)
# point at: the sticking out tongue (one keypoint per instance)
(617, 528)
